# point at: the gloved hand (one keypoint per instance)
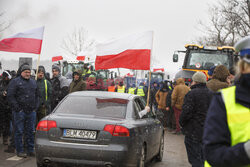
(247, 148)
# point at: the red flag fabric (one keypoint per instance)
(57, 58)
(26, 42)
(80, 58)
(158, 69)
(131, 52)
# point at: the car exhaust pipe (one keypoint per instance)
(46, 161)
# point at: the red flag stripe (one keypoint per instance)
(82, 58)
(131, 59)
(57, 58)
(23, 45)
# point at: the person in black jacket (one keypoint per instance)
(219, 143)
(23, 96)
(171, 118)
(5, 112)
(60, 86)
(192, 118)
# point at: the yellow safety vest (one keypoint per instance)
(131, 91)
(238, 118)
(140, 91)
(121, 89)
(46, 90)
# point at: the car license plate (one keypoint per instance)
(83, 134)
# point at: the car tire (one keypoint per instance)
(142, 157)
(159, 156)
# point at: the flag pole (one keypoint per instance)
(149, 81)
(37, 65)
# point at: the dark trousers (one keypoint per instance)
(24, 126)
(194, 152)
(177, 114)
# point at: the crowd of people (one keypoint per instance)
(212, 113)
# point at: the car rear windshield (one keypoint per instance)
(94, 106)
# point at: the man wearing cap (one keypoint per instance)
(226, 139)
(45, 90)
(60, 86)
(192, 118)
(23, 96)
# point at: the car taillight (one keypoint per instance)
(116, 130)
(46, 125)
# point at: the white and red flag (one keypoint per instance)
(26, 42)
(81, 56)
(131, 52)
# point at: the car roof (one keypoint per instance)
(103, 94)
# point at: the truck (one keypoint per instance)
(201, 58)
(103, 77)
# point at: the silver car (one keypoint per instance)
(99, 129)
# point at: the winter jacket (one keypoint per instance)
(4, 106)
(219, 79)
(179, 93)
(168, 100)
(161, 97)
(78, 85)
(194, 110)
(153, 92)
(23, 94)
(59, 90)
(217, 138)
(41, 87)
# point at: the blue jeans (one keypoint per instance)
(24, 125)
(194, 152)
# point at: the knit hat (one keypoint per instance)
(211, 70)
(199, 77)
(41, 69)
(56, 67)
(25, 67)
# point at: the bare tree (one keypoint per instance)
(77, 41)
(229, 21)
(4, 24)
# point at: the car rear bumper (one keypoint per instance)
(87, 154)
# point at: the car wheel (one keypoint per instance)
(159, 156)
(142, 157)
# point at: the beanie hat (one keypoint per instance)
(199, 77)
(211, 70)
(56, 67)
(25, 67)
(41, 69)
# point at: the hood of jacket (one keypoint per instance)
(180, 81)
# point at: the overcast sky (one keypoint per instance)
(174, 22)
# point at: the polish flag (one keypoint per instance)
(131, 52)
(26, 42)
(57, 58)
(81, 56)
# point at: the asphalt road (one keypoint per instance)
(174, 155)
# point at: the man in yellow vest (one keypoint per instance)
(141, 90)
(121, 88)
(131, 89)
(226, 138)
(45, 90)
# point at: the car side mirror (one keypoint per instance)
(175, 57)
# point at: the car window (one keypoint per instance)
(94, 106)
(136, 109)
(143, 103)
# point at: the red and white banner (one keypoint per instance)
(158, 69)
(57, 58)
(131, 52)
(80, 58)
(26, 42)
